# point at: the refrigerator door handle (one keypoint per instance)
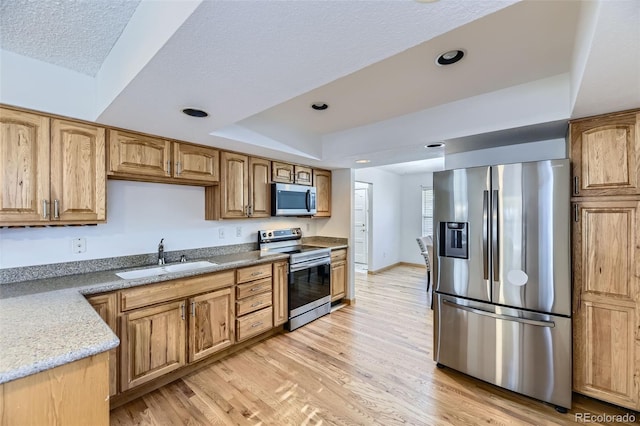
(549, 324)
(495, 246)
(485, 234)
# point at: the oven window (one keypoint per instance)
(309, 285)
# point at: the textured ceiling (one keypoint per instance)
(77, 34)
(256, 66)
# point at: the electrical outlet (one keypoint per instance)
(308, 227)
(78, 245)
(238, 231)
(221, 233)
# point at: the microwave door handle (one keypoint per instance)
(307, 200)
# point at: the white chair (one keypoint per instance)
(426, 250)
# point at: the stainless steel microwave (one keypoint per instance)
(292, 200)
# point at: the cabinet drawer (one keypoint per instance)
(337, 255)
(252, 288)
(253, 273)
(254, 303)
(175, 289)
(255, 323)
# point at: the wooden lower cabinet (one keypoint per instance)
(606, 324)
(254, 311)
(338, 274)
(211, 325)
(71, 394)
(106, 306)
(153, 343)
(280, 293)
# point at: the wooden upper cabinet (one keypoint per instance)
(322, 182)
(605, 153)
(606, 298)
(260, 189)
(303, 175)
(234, 185)
(289, 173)
(282, 172)
(195, 162)
(211, 326)
(24, 166)
(52, 170)
(78, 175)
(134, 154)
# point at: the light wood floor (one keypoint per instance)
(367, 364)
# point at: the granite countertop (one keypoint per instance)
(47, 322)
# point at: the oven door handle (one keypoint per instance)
(307, 265)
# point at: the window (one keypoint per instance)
(427, 211)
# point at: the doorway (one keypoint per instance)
(361, 226)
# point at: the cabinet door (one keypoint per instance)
(338, 280)
(605, 152)
(153, 343)
(303, 175)
(133, 154)
(605, 265)
(234, 185)
(196, 163)
(282, 172)
(260, 191)
(211, 327)
(24, 166)
(105, 306)
(78, 172)
(280, 308)
(322, 182)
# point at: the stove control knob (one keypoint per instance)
(271, 234)
(264, 235)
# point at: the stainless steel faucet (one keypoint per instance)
(161, 252)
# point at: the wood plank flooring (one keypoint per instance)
(366, 364)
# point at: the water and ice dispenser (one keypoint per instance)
(453, 239)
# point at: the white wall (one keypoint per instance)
(385, 227)
(533, 151)
(139, 215)
(29, 83)
(411, 215)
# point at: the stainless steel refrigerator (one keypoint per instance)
(502, 310)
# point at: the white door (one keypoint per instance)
(361, 225)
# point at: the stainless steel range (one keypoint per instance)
(309, 289)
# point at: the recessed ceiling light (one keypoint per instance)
(319, 106)
(363, 161)
(195, 112)
(435, 145)
(449, 57)
(426, 1)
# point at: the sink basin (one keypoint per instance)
(166, 269)
(189, 266)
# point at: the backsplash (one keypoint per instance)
(27, 273)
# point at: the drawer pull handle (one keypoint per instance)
(255, 274)
(256, 304)
(256, 324)
(254, 289)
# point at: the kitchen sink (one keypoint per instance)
(165, 269)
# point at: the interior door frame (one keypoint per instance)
(369, 218)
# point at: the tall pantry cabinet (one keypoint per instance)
(605, 156)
